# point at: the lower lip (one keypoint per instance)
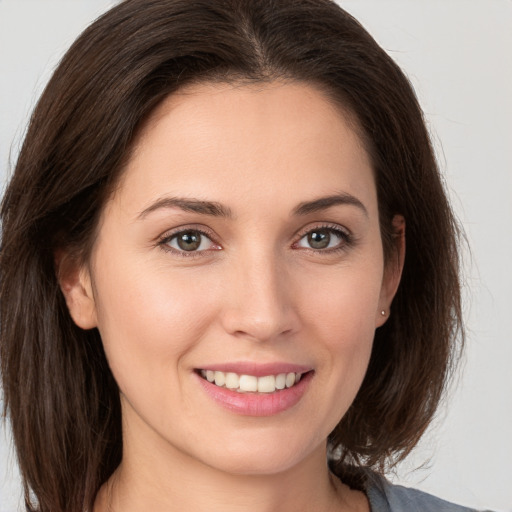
(257, 404)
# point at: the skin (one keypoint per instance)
(255, 291)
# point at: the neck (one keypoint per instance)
(161, 478)
(173, 489)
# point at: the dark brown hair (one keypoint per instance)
(60, 395)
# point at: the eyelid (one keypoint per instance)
(323, 225)
(346, 234)
(163, 240)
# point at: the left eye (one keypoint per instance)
(322, 238)
(191, 240)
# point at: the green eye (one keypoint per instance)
(190, 240)
(319, 239)
(323, 238)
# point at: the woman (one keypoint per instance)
(218, 266)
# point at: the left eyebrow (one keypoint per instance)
(323, 203)
(189, 205)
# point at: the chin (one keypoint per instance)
(258, 465)
(269, 457)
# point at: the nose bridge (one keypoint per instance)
(260, 305)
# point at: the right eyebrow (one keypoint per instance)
(210, 208)
(323, 203)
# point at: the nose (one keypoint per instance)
(259, 303)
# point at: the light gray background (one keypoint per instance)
(458, 56)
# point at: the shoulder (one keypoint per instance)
(386, 497)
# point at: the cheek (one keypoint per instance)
(343, 302)
(148, 321)
(339, 313)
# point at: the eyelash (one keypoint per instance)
(346, 237)
(168, 237)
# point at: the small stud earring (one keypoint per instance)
(383, 313)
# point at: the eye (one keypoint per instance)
(324, 238)
(190, 240)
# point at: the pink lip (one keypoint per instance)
(258, 370)
(257, 404)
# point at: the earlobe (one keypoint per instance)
(392, 271)
(75, 283)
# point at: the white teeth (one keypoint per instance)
(281, 381)
(290, 380)
(220, 378)
(267, 384)
(232, 380)
(250, 383)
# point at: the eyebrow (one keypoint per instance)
(323, 203)
(211, 208)
(215, 209)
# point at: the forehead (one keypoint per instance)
(267, 141)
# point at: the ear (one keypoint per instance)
(75, 282)
(392, 271)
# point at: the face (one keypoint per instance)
(242, 246)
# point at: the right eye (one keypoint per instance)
(189, 241)
(324, 239)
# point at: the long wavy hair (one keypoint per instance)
(60, 395)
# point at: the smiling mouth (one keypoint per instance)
(251, 384)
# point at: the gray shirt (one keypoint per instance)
(386, 497)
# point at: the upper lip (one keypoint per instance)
(257, 369)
